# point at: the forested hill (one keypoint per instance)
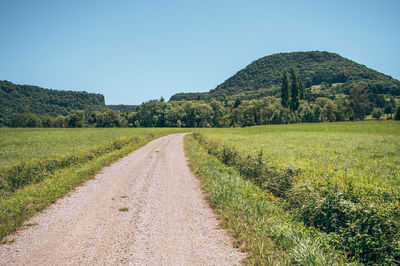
(16, 99)
(262, 77)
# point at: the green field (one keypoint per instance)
(17, 144)
(341, 178)
(38, 166)
(368, 153)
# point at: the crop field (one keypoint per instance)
(37, 166)
(342, 179)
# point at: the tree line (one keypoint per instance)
(268, 110)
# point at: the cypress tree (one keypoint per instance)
(301, 87)
(285, 88)
(294, 90)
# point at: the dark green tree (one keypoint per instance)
(26, 120)
(76, 119)
(294, 90)
(301, 87)
(397, 115)
(358, 101)
(285, 88)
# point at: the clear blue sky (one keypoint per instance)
(133, 51)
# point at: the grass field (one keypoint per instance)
(366, 152)
(340, 178)
(17, 144)
(38, 166)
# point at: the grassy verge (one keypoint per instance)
(57, 179)
(257, 221)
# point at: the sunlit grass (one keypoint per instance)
(18, 144)
(365, 152)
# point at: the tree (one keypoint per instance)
(285, 88)
(237, 103)
(397, 115)
(76, 119)
(218, 111)
(301, 87)
(358, 101)
(377, 113)
(26, 120)
(294, 90)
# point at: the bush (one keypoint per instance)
(366, 225)
(280, 183)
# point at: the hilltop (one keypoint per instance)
(262, 77)
(15, 99)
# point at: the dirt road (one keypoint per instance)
(167, 222)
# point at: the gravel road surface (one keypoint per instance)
(168, 222)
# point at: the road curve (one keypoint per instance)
(168, 221)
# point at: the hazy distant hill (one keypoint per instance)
(262, 77)
(31, 99)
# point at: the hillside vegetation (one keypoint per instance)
(18, 99)
(262, 77)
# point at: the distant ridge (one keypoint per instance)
(262, 77)
(16, 99)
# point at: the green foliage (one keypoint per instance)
(76, 119)
(262, 77)
(358, 102)
(107, 118)
(295, 88)
(26, 120)
(18, 99)
(285, 89)
(397, 115)
(377, 113)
